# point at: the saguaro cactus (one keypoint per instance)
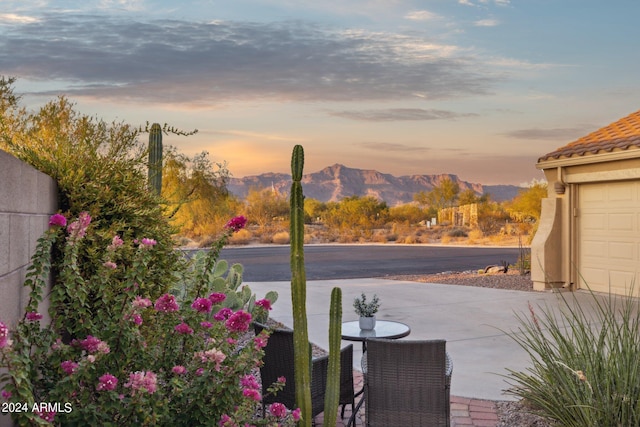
(302, 353)
(155, 158)
(332, 394)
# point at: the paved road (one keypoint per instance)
(330, 262)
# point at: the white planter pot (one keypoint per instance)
(367, 323)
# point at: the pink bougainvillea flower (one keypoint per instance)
(183, 329)
(179, 370)
(223, 314)
(282, 380)
(278, 410)
(237, 223)
(48, 416)
(296, 414)
(238, 321)
(57, 220)
(140, 302)
(135, 318)
(142, 380)
(226, 421)
(166, 304)
(206, 325)
(110, 264)
(146, 243)
(6, 395)
(4, 335)
(199, 372)
(78, 228)
(217, 297)
(69, 366)
(92, 345)
(252, 393)
(116, 242)
(107, 382)
(249, 381)
(264, 303)
(211, 356)
(33, 316)
(202, 305)
(259, 342)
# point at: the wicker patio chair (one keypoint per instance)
(407, 383)
(278, 362)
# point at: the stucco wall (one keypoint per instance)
(27, 199)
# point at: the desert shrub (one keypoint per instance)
(457, 232)
(281, 238)
(242, 237)
(584, 367)
(173, 362)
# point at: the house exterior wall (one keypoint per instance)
(554, 262)
(27, 199)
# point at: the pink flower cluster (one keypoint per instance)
(202, 305)
(69, 366)
(264, 303)
(4, 335)
(107, 382)
(211, 356)
(238, 321)
(237, 223)
(179, 370)
(141, 303)
(217, 297)
(78, 228)
(142, 380)
(116, 242)
(166, 304)
(93, 345)
(146, 243)
(183, 329)
(33, 316)
(57, 220)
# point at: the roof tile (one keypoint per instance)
(620, 135)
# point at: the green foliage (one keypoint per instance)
(100, 168)
(443, 195)
(526, 206)
(408, 213)
(175, 362)
(266, 206)
(195, 189)
(364, 308)
(584, 367)
(356, 214)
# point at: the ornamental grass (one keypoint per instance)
(585, 361)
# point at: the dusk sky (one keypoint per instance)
(477, 88)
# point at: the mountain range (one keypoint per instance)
(336, 182)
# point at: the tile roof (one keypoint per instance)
(620, 135)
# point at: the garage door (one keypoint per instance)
(609, 236)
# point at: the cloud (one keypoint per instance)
(549, 134)
(421, 15)
(13, 18)
(393, 147)
(201, 64)
(399, 114)
(487, 23)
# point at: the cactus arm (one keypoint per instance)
(332, 393)
(302, 354)
(155, 158)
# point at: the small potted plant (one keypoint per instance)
(366, 311)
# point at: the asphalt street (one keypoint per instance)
(330, 262)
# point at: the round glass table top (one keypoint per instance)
(384, 329)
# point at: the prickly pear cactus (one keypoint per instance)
(155, 158)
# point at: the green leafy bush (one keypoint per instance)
(175, 359)
(585, 367)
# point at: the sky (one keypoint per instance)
(476, 88)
